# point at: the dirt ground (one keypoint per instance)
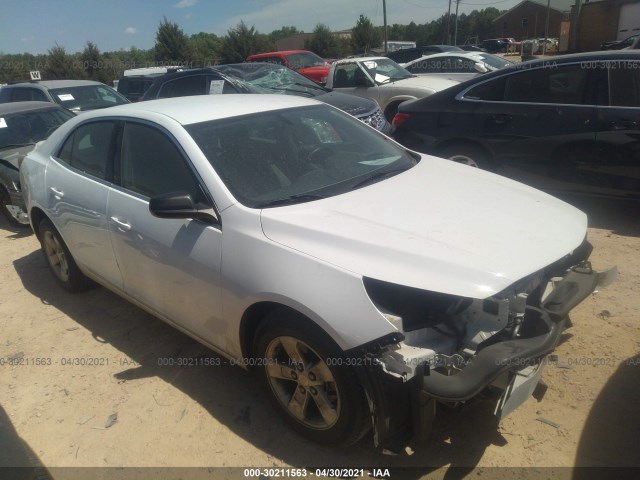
(71, 363)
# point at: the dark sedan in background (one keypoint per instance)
(22, 125)
(570, 124)
(262, 78)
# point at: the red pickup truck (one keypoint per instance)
(302, 61)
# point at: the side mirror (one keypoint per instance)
(480, 67)
(180, 205)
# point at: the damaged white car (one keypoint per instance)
(364, 282)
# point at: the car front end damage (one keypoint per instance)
(448, 349)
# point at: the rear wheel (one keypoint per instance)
(320, 400)
(60, 261)
(468, 155)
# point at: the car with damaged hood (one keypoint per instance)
(22, 125)
(262, 78)
(363, 282)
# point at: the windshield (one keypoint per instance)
(494, 61)
(30, 127)
(305, 60)
(385, 70)
(87, 97)
(269, 78)
(296, 155)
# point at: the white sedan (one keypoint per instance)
(458, 66)
(383, 80)
(363, 281)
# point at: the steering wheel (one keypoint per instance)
(315, 158)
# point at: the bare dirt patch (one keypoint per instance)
(86, 385)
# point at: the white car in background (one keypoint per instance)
(382, 79)
(363, 281)
(458, 66)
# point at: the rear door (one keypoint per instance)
(617, 164)
(539, 123)
(78, 180)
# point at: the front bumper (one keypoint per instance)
(17, 207)
(402, 410)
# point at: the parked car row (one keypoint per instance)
(364, 279)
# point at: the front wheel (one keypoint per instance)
(468, 155)
(320, 400)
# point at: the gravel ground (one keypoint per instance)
(86, 387)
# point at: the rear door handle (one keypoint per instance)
(122, 226)
(501, 118)
(57, 193)
(623, 124)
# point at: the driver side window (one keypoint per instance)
(151, 164)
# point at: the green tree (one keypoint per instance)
(242, 41)
(172, 45)
(60, 65)
(206, 48)
(93, 63)
(283, 32)
(364, 36)
(323, 42)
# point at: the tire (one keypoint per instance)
(391, 111)
(325, 404)
(61, 263)
(468, 155)
(4, 207)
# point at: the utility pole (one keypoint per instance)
(455, 32)
(448, 39)
(384, 14)
(546, 29)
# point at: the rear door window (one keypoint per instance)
(90, 148)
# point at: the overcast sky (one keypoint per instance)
(34, 26)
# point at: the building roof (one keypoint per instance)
(558, 5)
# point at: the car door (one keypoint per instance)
(351, 78)
(172, 266)
(78, 180)
(617, 163)
(538, 123)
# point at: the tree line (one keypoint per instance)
(174, 47)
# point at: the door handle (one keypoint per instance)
(501, 118)
(57, 193)
(623, 124)
(122, 226)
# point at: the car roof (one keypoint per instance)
(18, 107)
(202, 108)
(361, 59)
(57, 83)
(449, 54)
(280, 53)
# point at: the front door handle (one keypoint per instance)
(122, 226)
(57, 193)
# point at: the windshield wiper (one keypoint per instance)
(379, 175)
(297, 198)
(289, 89)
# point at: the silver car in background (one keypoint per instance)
(364, 282)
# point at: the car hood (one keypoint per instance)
(350, 104)
(433, 83)
(439, 226)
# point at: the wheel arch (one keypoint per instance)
(441, 147)
(258, 312)
(37, 215)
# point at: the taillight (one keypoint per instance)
(399, 119)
